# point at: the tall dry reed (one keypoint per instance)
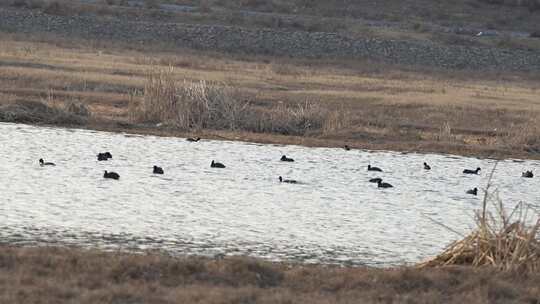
(523, 136)
(187, 104)
(508, 241)
(209, 105)
(295, 119)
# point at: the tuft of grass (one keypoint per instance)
(445, 132)
(295, 119)
(28, 111)
(337, 121)
(76, 108)
(189, 105)
(525, 136)
(507, 241)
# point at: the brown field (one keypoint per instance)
(63, 275)
(362, 104)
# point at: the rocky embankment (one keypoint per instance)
(269, 42)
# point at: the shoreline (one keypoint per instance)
(75, 275)
(363, 106)
(305, 141)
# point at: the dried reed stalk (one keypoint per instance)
(508, 242)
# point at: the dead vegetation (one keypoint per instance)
(187, 104)
(506, 240)
(37, 112)
(324, 103)
(71, 275)
(190, 105)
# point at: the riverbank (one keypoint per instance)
(363, 106)
(320, 102)
(74, 275)
(38, 114)
(432, 147)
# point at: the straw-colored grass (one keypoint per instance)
(38, 112)
(191, 105)
(324, 102)
(188, 104)
(72, 275)
(507, 241)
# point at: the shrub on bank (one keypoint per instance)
(208, 105)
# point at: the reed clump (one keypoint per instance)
(201, 104)
(187, 105)
(304, 118)
(524, 136)
(506, 241)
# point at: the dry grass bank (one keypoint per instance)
(362, 104)
(60, 275)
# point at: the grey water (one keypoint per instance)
(333, 215)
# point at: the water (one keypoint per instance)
(333, 216)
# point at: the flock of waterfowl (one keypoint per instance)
(473, 191)
(380, 184)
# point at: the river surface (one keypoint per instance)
(332, 216)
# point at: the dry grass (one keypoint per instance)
(36, 112)
(203, 105)
(504, 240)
(364, 104)
(62, 275)
(188, 105)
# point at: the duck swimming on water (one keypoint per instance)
(43, 163)
(527, 174)
(375, 180)
(426, 166)
(468, 171)
(158, 170)
(289, 181)
(112, 175)
(380, 184)
(370, 168)
(193, 139)
(473, 191)
(286, 159)
(104, 156)
(216, 165)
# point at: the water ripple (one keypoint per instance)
(333, 216)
